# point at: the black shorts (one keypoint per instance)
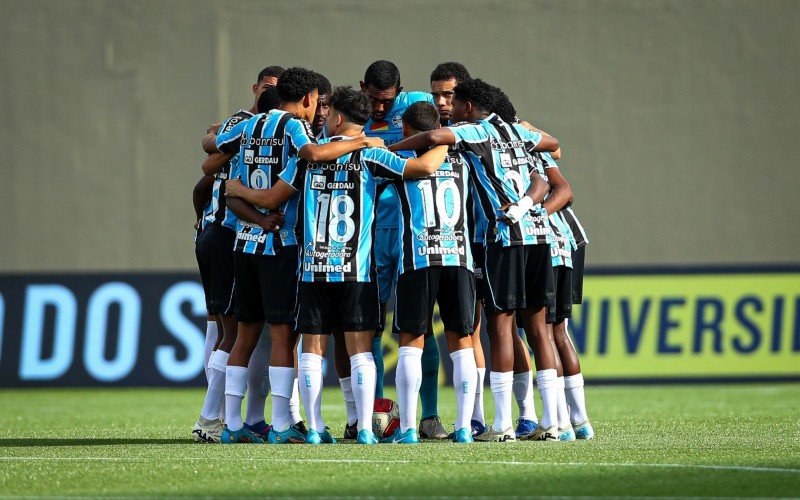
(266, 286)
(518, 277)
(562, 277)
(417, 292)
(478, 258)
(350, 306)
(214, 252)
(578, 258)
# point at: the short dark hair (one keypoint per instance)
(324, 85)
(477, 92)
(352, 104)
(448, 71)
(504, 108)
(295, 83)
(268, 100)
(382, 75)
(421, 116)
(275, 71)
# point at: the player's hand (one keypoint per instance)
(272, 222)
(197, 224)
(374, 142)
(213, 128)
(233, 188)
(515, 211)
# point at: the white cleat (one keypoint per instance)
(207, 431)
(542, 434)
(492, 436)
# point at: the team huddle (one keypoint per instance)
(319, 207)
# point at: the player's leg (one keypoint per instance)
(257, 389)
(211, 340)
(478, 421)
(236, 379)
(523, 389)
(386, 250)
(342, 363)
(430, 425)
(310, 374)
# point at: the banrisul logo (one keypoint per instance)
(360, 380)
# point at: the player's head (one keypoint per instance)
(323, 104)
(444, 79)
(420, 117)
(473, 99)
(381, 84)
(297, 87)
(268, 100)
(503, 107)
(349, 107)
(267, 77)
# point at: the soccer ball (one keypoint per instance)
(385, 417)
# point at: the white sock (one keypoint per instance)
(211, 339)
(465, 376)
(408, 377)
(523, 393)
(294, 403)
(548, 390)
(349, 400)
(257, 382)
(281, 381)
(562, 409)
(576, 399)
(309, 370)
(235, 385)
(501, 385)
(215, 394)
(362, 378)
(477, 410)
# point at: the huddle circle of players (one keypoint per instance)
(318, 206)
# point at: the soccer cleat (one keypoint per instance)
(241, 436)
(351, 431)
(525, 428)
(432, 428)
(313, 437)
(583, 430)
(260, 429)
(326, 437)
(366, 436)
(407, 437)
(289, 436)
(207, 430)
(542, 434)
(492, 436)
(478, 427)
(300, 427)
(462, 435)
(566, 434)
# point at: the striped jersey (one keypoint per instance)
(563, 241)
(269, 141)
(567, 213)
(434, 229)
(390, 129)
(501, 173)
(228, 138)
(338, 206)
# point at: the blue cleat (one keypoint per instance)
(566, 434)
(326, 437)
(525, 428)
(583, 430)
(313, 437)
(408, 437)
(462, 435)
(289, 436)
(366, 436)
(260, 429)
(241, 436)
(477, 427)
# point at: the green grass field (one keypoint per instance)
(733, 440)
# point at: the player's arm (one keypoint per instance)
(201, 196)
(533, 196)
(215, 162)
(332, 150)
(247, 213)
(270, 198)
(426, 164)
(209, 139)
(418, 142)
(556, 153)
(560, 191)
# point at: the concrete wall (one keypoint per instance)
(677, 117)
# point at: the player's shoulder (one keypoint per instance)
(415, 96)
(235, 119)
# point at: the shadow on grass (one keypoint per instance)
(34, 442)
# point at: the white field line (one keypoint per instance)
(740, 468)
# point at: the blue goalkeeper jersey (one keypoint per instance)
(338, 205)
(434, 230)
(228, 139)
(269, 141)
(501, 172)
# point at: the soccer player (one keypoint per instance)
(338, 288)
(266, 262)
(388, 102)
(517, 273)
(214, 252)
(436, 266)
(323, 107)
(443, 81)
